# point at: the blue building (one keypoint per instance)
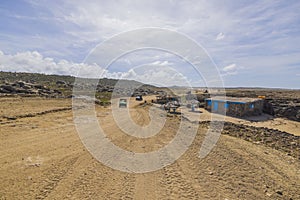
(237, 107)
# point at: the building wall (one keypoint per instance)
(207, 105)
(236, 109)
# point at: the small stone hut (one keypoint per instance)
(236, 107)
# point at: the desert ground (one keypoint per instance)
(42, 157)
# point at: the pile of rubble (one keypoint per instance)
(288, 108)
(273, 138)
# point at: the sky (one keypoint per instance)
(251, 43)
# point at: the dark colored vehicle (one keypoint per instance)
(139, 98)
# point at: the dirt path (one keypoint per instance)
(42, 157)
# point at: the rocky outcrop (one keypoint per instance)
(25, 88)
(60, 82)
(288, 108)
(292, 113)
(273, 138)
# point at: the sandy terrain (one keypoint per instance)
(42, 157)
(264, 120)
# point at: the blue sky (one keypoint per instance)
(253, 43)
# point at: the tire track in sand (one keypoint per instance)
(53, 176)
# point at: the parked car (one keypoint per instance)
(123, 103)
(139, 98)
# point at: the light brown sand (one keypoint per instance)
(42, 157)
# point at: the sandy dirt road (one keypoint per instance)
(42, 157)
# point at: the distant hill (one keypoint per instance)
(33, 77)
(44, 78)
(32, 84)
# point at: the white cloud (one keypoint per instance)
(220, 36)
(159, 73)
(231, 69)
(228, 68)
(34, 62)
(162, 63)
